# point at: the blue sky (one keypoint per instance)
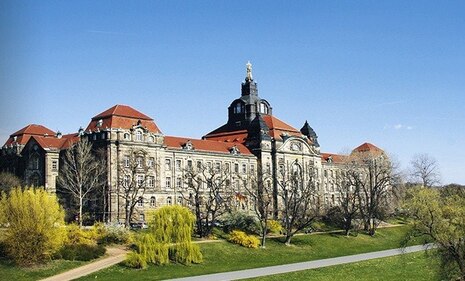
(388, 72)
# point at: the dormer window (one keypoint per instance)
(188, 145)
(238, 108)
(126, 136)
(263, 108)
(234, 150)
(99, 123)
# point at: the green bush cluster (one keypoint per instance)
(241, 238)
(240, 221)
(80, 252)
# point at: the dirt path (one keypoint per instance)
(114, 256)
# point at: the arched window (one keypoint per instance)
(126, 136)
(263, 108)
(153, 201)
(168, 200)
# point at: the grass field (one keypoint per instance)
(408, 267)
(223, 256)
(11, 272)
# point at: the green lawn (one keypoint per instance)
(412, 267)
(11, 272)
(223, 256)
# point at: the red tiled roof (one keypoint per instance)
(337, 158)
(205, 145)
(57, 143)
(23, 135)
(278, 127)
(234, 136)
(368, 147)
(123, 111)
(124, 117)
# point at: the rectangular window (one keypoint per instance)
(252, 168)
(126, 161)
(140, 180)
(140, 202)
(217, 167)
(54, 165)
(151, 162)
(150, 181)
(126, 181)
(244, 168)
(168, 200)
(178, 183)
(167, 164)
(227, 167)
(178, 165)
(168, 182)
(236, 168)
(199, 165)
(189, 164)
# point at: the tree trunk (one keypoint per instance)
(287, 241)
(127, 217)
(264, 231)
(80, 212)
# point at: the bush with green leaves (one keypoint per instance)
(240, 221)
(241, 238)
(35, 223)
(80, 252)
(168, 239)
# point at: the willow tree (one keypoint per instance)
(441, 217)
(169, 237)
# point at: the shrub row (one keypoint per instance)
(241, 238)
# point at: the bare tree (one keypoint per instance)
(81, 172)
(425, 170)
(299, 198)
(8, 181)
(207, 191)
(134, 181)
(260, 190)
(348, 199)
(371, 175)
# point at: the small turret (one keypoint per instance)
(310, 134)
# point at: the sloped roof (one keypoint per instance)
(23, 135)
(53, 142)
(124, 117)
(278, 127)
(275, 125)
(368, 147)
(336, 158)
(205, 145)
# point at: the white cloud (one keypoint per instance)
(398, 127)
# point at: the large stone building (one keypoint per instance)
(252, 142)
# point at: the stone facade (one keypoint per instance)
(252, 142)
